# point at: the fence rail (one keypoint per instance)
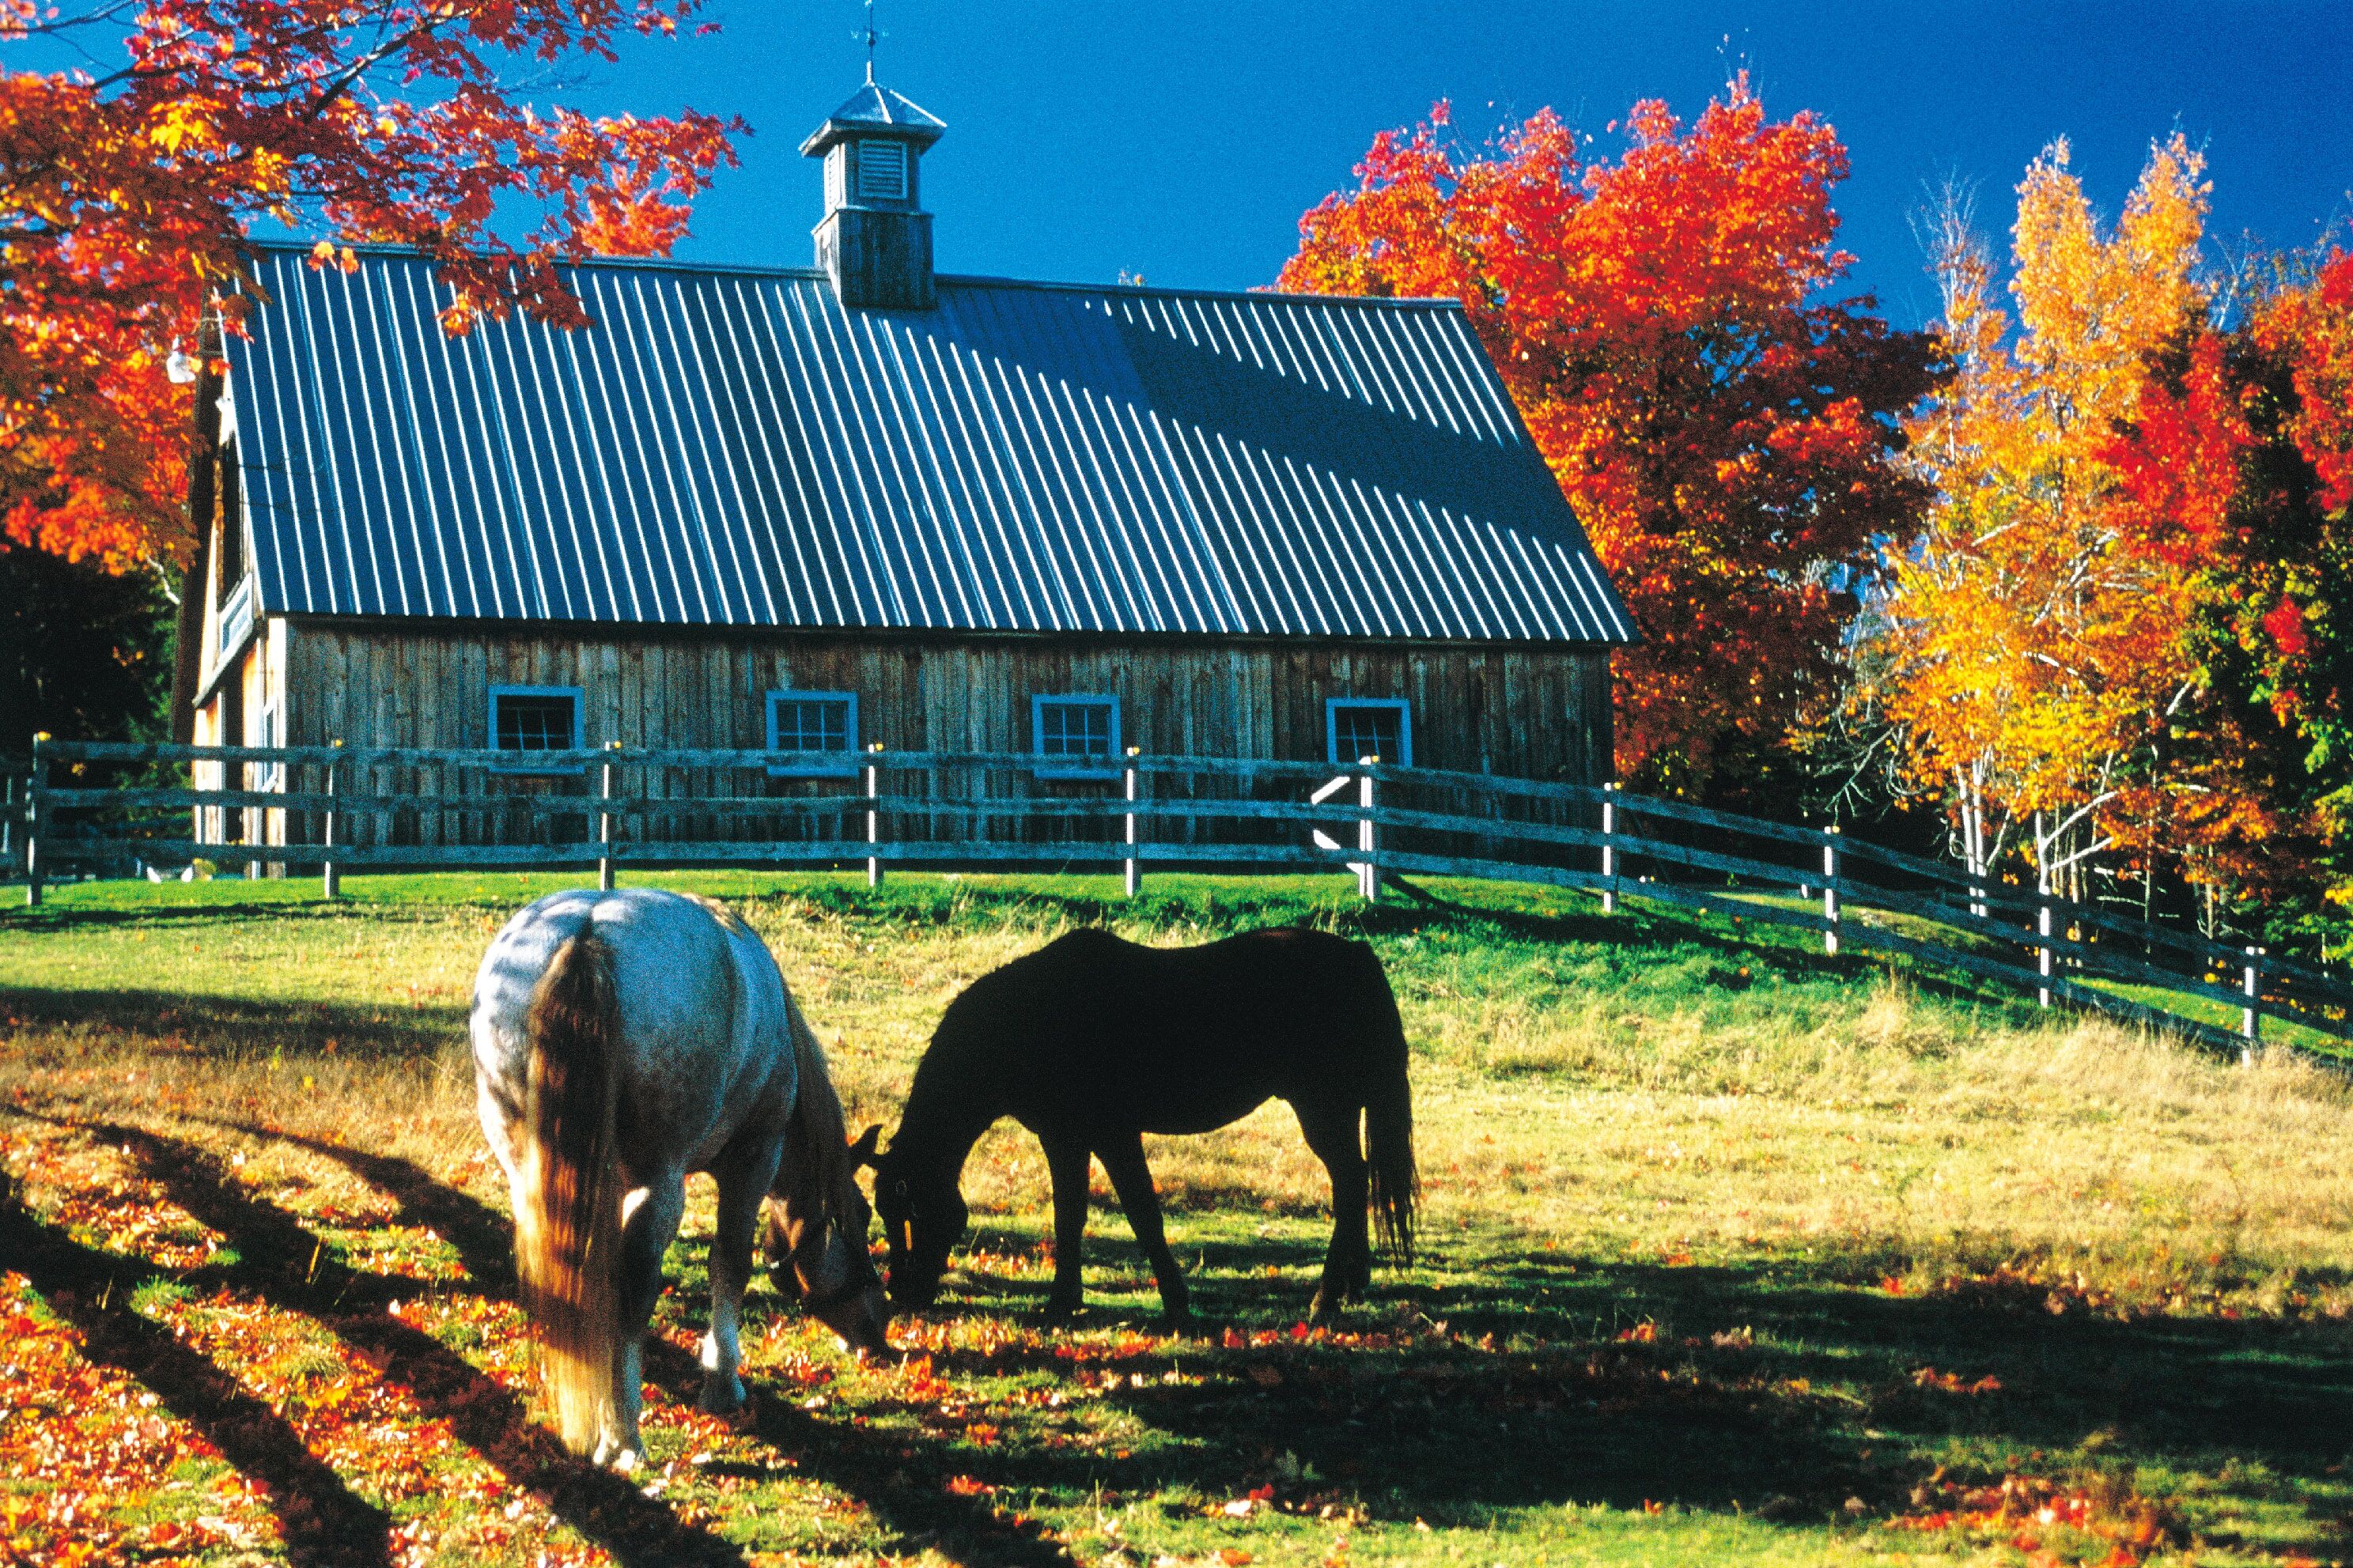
(333, 809)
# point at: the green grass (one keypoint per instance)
(1736, 1253)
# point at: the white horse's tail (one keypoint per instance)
(569, 1219)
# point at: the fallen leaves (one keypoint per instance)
(90, 1445)
(1953, 1382)
(2029, 1512)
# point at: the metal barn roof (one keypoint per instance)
(732, 448)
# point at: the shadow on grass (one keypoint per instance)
(1718, 1388)
(896, 1481)
(205, 1024)
(71, 917)
(1733, 1389)
(483, 1236)
(322, 1521)
(290, 1267)
(1651, 929)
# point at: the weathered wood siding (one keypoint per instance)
(1527, 714)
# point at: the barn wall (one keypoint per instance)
(1526, 713)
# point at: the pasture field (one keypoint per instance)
(1733, 1253)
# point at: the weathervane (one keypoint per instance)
(870, 36)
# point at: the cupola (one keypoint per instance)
(875, 240)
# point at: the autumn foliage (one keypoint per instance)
(2115, 647)
(2233, 477)
(125, 198)
(2028, 641)
(1728, 434)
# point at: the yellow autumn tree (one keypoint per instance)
(2024, 658)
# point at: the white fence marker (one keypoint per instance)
(1134, 878)
(1609, 849)
(330, 881)
(605, 825)
(1830, 888)
(874, 815)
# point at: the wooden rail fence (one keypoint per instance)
(333, 809)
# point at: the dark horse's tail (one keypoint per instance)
(568, 1221)
(1388, 1127)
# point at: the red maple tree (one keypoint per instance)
(1727, 435)
(126, 197)
(2236, 474)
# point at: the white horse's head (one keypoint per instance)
(818, 1255)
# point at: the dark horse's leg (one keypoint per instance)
(1067, 1163)
(1123, 1158)
(1331, 1131)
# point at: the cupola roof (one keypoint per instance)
(875, 110)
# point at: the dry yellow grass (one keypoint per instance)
(1897, 1131)
(1642, 1126)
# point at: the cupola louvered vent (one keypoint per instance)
(882, 171)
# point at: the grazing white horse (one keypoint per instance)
(622, 1041)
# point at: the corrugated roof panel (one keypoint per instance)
(732, 448)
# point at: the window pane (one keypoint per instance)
(534, 723)
(1367, 730)
(812, 724)
(1074, 729)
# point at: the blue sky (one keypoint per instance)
(1182, 139)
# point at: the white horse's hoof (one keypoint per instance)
(721, 1395)
(614, 1454)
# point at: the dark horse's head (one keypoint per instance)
(922, 1217)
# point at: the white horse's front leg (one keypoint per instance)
(742, 1187)
(649, 1220)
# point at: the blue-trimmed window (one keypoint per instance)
(813, 721)
(1356, 728)
(526, 719)
(1077, 737)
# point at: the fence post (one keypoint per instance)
(1830, 888)
(330, 881)
(605, 825)
(2043, 955)
(2250, 1016)
(254, 821)
(33, 823)
(1135, 867)
(874, 816)
(1368, 878)
(1609, 849)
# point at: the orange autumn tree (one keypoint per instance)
(126, 193)
(2031, 652)
(2235, 472)
(1728, 436)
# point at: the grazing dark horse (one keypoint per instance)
(622, 1041)
(1092, 1042)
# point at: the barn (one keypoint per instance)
(818, 510)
